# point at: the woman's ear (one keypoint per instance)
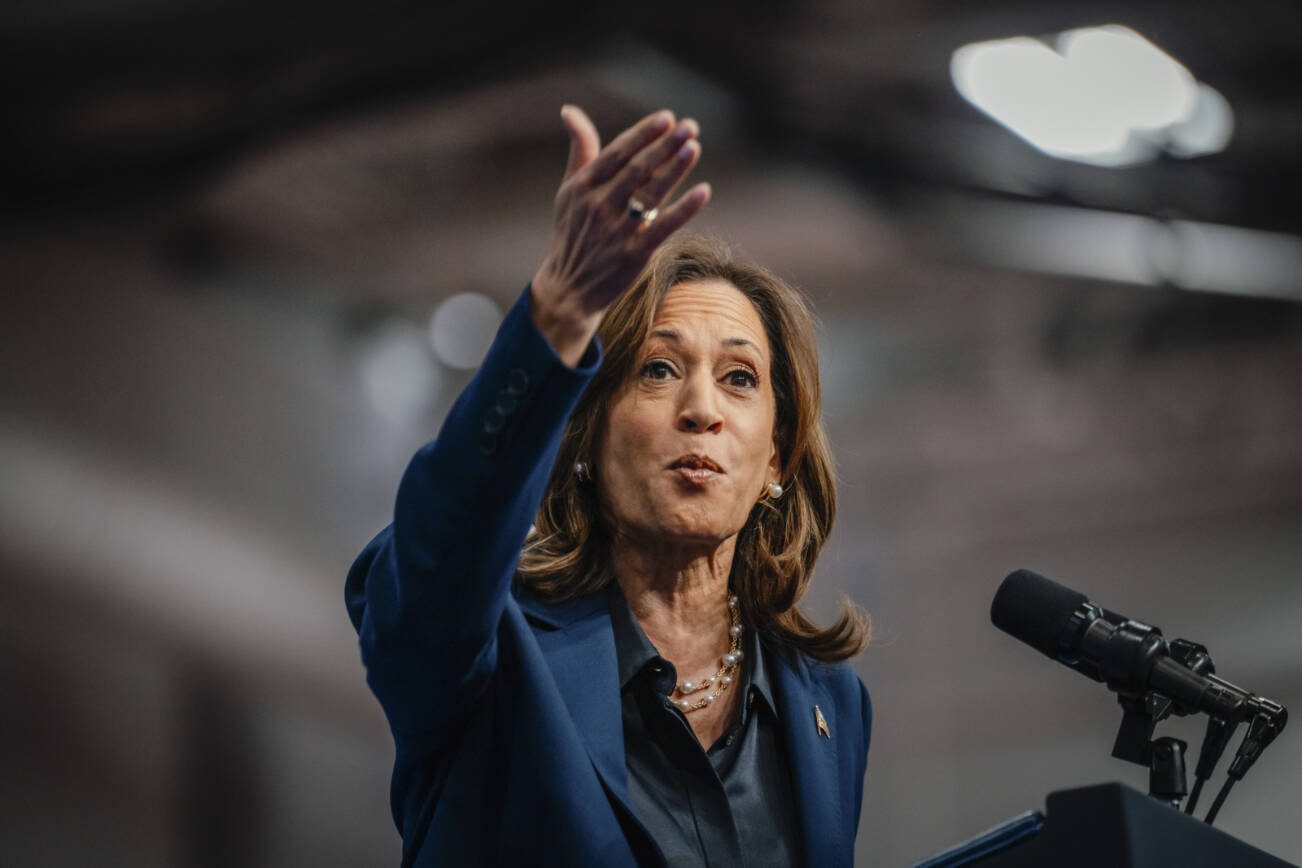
(775, 463)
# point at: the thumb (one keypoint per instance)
(584, 141)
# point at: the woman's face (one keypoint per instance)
(689, 444)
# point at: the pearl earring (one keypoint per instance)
(775, 490)
(581, 471)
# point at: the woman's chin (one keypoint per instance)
(691, 532)
(670, 518)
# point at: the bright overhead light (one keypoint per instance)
(1207, 130)
(1100, 95)
(1124, 248)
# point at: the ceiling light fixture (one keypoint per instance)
(1099, 95)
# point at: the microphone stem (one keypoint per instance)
(1194, 794)
(1220, 800)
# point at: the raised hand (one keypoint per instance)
(600, 243)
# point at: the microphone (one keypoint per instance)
(1130, 657)
(1152, 678)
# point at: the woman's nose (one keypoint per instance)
(699, 411)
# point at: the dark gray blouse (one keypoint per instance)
(731, 805)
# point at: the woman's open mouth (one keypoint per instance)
(697, 476)
(696, 469)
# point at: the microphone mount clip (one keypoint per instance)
(1138, 645)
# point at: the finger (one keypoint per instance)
(640, 169)
(675, 216)
(628, 143)
(585, 143)
(661, 185)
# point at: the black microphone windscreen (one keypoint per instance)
(1035, 610)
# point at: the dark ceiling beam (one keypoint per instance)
(129, 104)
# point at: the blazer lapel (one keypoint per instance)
(580, 651)
(815, 773)
(581, 656)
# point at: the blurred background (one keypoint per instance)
(252, 252)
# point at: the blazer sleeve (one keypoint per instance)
(426, 595)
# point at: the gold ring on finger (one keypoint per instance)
(638, 210)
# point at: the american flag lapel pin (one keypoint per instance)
(821, 723)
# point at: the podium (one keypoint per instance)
(1105, 826)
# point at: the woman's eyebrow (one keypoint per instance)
(672, 335)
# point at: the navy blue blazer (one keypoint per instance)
(505, 711)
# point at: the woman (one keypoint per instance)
(637, 687)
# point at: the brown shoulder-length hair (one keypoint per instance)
(567, 555)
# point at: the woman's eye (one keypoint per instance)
(657, 370)
(741, 377)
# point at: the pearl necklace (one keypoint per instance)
(723, 678)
